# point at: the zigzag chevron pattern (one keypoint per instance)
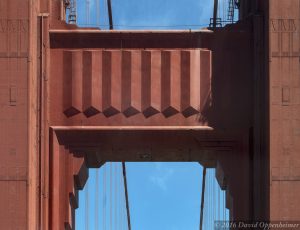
(136, 81)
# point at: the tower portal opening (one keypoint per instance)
(162, 195)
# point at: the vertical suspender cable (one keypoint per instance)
(224, 205)
(116, 195)
(126, 195)
(97, 201)
(110, 196)
(224, 10)
(87, 2)
(208, 197)
(86, 12)
(213, 196)
(104, 197)
(222, 16)
(214, 199)
(207, 201)
(87, 206)
(219, 10)
(122, 201)
(97, 12)
(219, 205)
(202, 197)
(75, 10)
(110, 17)
(215, 15)
(119, 200)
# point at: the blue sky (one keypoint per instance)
(163, 196)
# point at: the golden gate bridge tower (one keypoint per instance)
(73, 98)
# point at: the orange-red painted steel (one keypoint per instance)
(74, 98)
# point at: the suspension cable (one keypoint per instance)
(110, 17)
(104, 197)
(116, 195)
(209, 197)
(219, 205)
(120, 199)
(97, 201)
(215, 14)
(213, 198)
(98, 12)
(87, 206)
(202, 197)
(110, 195)
(87, 11)
(224, 195)
(215, 195)
(126, 195)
